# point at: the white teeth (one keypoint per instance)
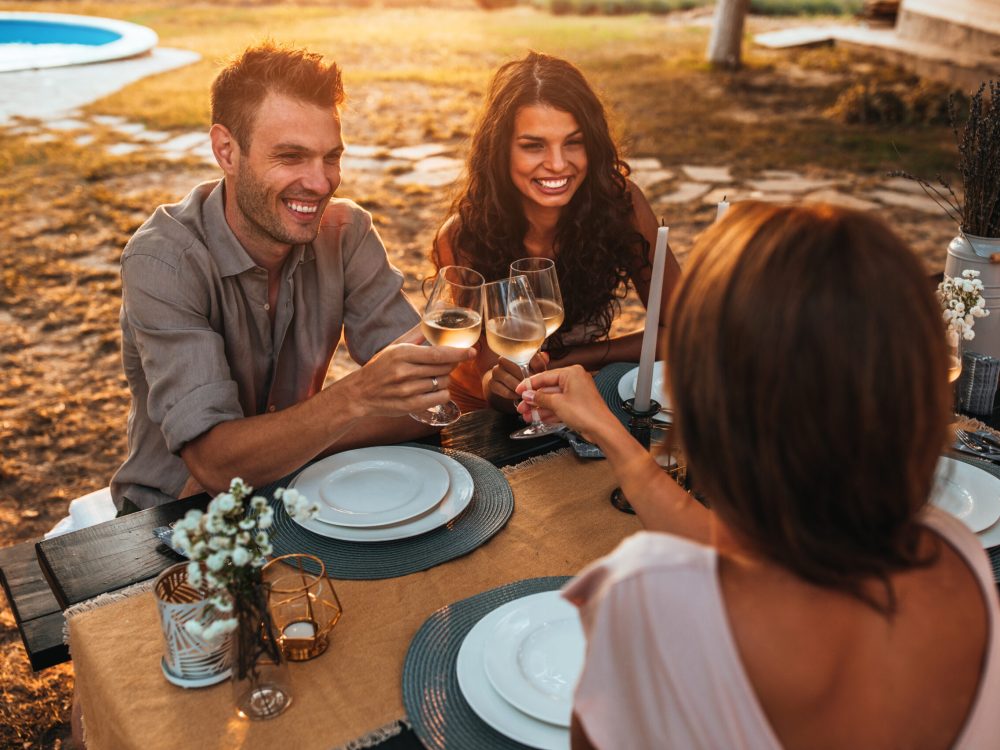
(554, 184)
(301, 208)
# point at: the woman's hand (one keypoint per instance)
(567, 395)
(506, 376)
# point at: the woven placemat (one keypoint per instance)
(992, 468)
(606, 381)
(489, 510)
(435, 706)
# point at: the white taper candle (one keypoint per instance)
(723, 207)
(644, 383)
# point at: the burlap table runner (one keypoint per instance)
(561, 521)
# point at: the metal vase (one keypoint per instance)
(188, 660)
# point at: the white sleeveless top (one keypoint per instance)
(662, 667)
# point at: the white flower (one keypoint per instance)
(194, 627)
(222, 603)
(265, 518)
(194, 574)
(225, 502)
(962, 302)
(216, 561)
(240, 557)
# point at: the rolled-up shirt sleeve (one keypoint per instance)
(376, 311)
(169, 312)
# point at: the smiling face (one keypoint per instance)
(548, 160)
(281, 183)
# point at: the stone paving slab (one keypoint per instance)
(439, 164)
(647, 163)
(780, 174)
(123, 149)
(795, 184)
(684, 192)
(364, 152)
(365, 164)
(843, 200)
(646, 179)
(185, 142)
(707, 174)
(903, 185)
(426, 179)
(907, 200)
(421, 151)
(67, 124)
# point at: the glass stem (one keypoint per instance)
(535, 419)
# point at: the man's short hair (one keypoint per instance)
(243, 84)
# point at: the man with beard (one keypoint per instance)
(235, 299)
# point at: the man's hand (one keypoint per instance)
(505, 376)
(567, 395)
(404, 378)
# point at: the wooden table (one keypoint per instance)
(42, 578)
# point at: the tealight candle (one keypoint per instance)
(644, 381)
(299, 630)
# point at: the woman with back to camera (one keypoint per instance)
(822, 603)
(544, 179)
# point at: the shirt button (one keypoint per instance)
(267, 306)
(271, 407)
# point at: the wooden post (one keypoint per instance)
(727, 33)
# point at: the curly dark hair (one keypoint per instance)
(598, 249)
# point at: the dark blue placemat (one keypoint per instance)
(435, 706)
(489, 510)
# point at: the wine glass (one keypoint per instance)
(515, 329)
(544, 283)
(452, 317)
(954, 363)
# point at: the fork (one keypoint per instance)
(977, 444)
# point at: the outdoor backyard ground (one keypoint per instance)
(74, 188)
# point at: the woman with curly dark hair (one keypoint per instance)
(544, 179)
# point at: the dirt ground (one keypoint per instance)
(65, 216)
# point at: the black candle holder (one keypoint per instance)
(640, 424)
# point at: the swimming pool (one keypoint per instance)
(49, 40)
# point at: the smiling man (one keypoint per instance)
(235, 299)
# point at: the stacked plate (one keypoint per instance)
(518, 666)
(384, 493)
(626, 390)
(972, 495)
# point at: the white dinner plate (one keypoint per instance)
(967, 492)
(373, 486)
(626, 389)
(460, 487)
(487, 702)
(536, 656)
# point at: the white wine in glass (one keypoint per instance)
(515, 329)
(452, 326)
(452, 317)
(544, 283)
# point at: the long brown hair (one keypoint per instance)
(598, 249)
(808, 372)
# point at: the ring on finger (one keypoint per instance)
(434, 384)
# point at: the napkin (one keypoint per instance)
(166, 535)
(977, 385)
